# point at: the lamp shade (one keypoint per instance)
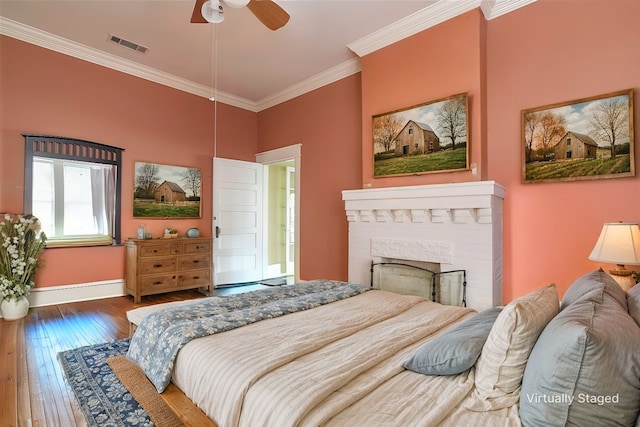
(619, 243)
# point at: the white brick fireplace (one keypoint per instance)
(458, 226)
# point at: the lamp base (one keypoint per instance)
(623, 277)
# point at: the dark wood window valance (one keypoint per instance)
(71, 149)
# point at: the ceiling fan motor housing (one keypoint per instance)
(212, 11)
(267, 11)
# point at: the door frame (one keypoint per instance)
(291, 152)
(290, 265)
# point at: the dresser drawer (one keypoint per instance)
(193, 262)
(166, 281)
(154, 250)
(197, 248)
(157, 265)
(194, 278)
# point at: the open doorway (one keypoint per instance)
(280, 219)
(282, 209)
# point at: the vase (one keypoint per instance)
(14, 309)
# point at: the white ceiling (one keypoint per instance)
(239, 61)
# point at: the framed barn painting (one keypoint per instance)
(590, 138)
(427, 138)
(163, 191)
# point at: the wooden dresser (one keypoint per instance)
(164, 265)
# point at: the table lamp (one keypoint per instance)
(619, 243)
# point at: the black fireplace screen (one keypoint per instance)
(445, 287)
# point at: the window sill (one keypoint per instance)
(72, 241)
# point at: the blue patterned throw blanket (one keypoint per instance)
(163, 333)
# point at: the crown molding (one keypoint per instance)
(428, 17)
(494, 8)
(65, 46)
(331, 75)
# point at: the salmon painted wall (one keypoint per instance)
(524, 59)
(521, 60)
(45, 92)
(326, 122)
(437, 63)
(549, 52)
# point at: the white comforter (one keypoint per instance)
(339, 364)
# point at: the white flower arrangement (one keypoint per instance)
(22, 242)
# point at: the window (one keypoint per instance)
(73, 187)
(568, 141)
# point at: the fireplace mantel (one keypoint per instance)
(458, 226)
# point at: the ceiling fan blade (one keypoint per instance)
(196, 16)
(269, 13)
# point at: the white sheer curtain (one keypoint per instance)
(103, 198)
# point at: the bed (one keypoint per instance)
(370, 357)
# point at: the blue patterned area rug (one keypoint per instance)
(103, 398)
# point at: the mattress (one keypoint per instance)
(338, 364)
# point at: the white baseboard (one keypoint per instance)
(73, 293)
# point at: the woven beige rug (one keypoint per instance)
(134, 379)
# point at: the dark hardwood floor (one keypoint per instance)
(33, 391)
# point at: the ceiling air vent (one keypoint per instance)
(127, 43)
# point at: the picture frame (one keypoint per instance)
(588, 138)
(166, 191)
(427, 138)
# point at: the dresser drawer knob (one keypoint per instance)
(157, 265)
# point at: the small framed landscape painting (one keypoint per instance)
(163, 191)
(589, 138)
(427, 138)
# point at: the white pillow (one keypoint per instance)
(501, 364)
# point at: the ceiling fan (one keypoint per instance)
(267, 11)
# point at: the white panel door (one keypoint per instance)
(237, 221)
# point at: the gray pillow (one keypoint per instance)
(593, 286)
(584, 369)
(456, 350)
(633, 301)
